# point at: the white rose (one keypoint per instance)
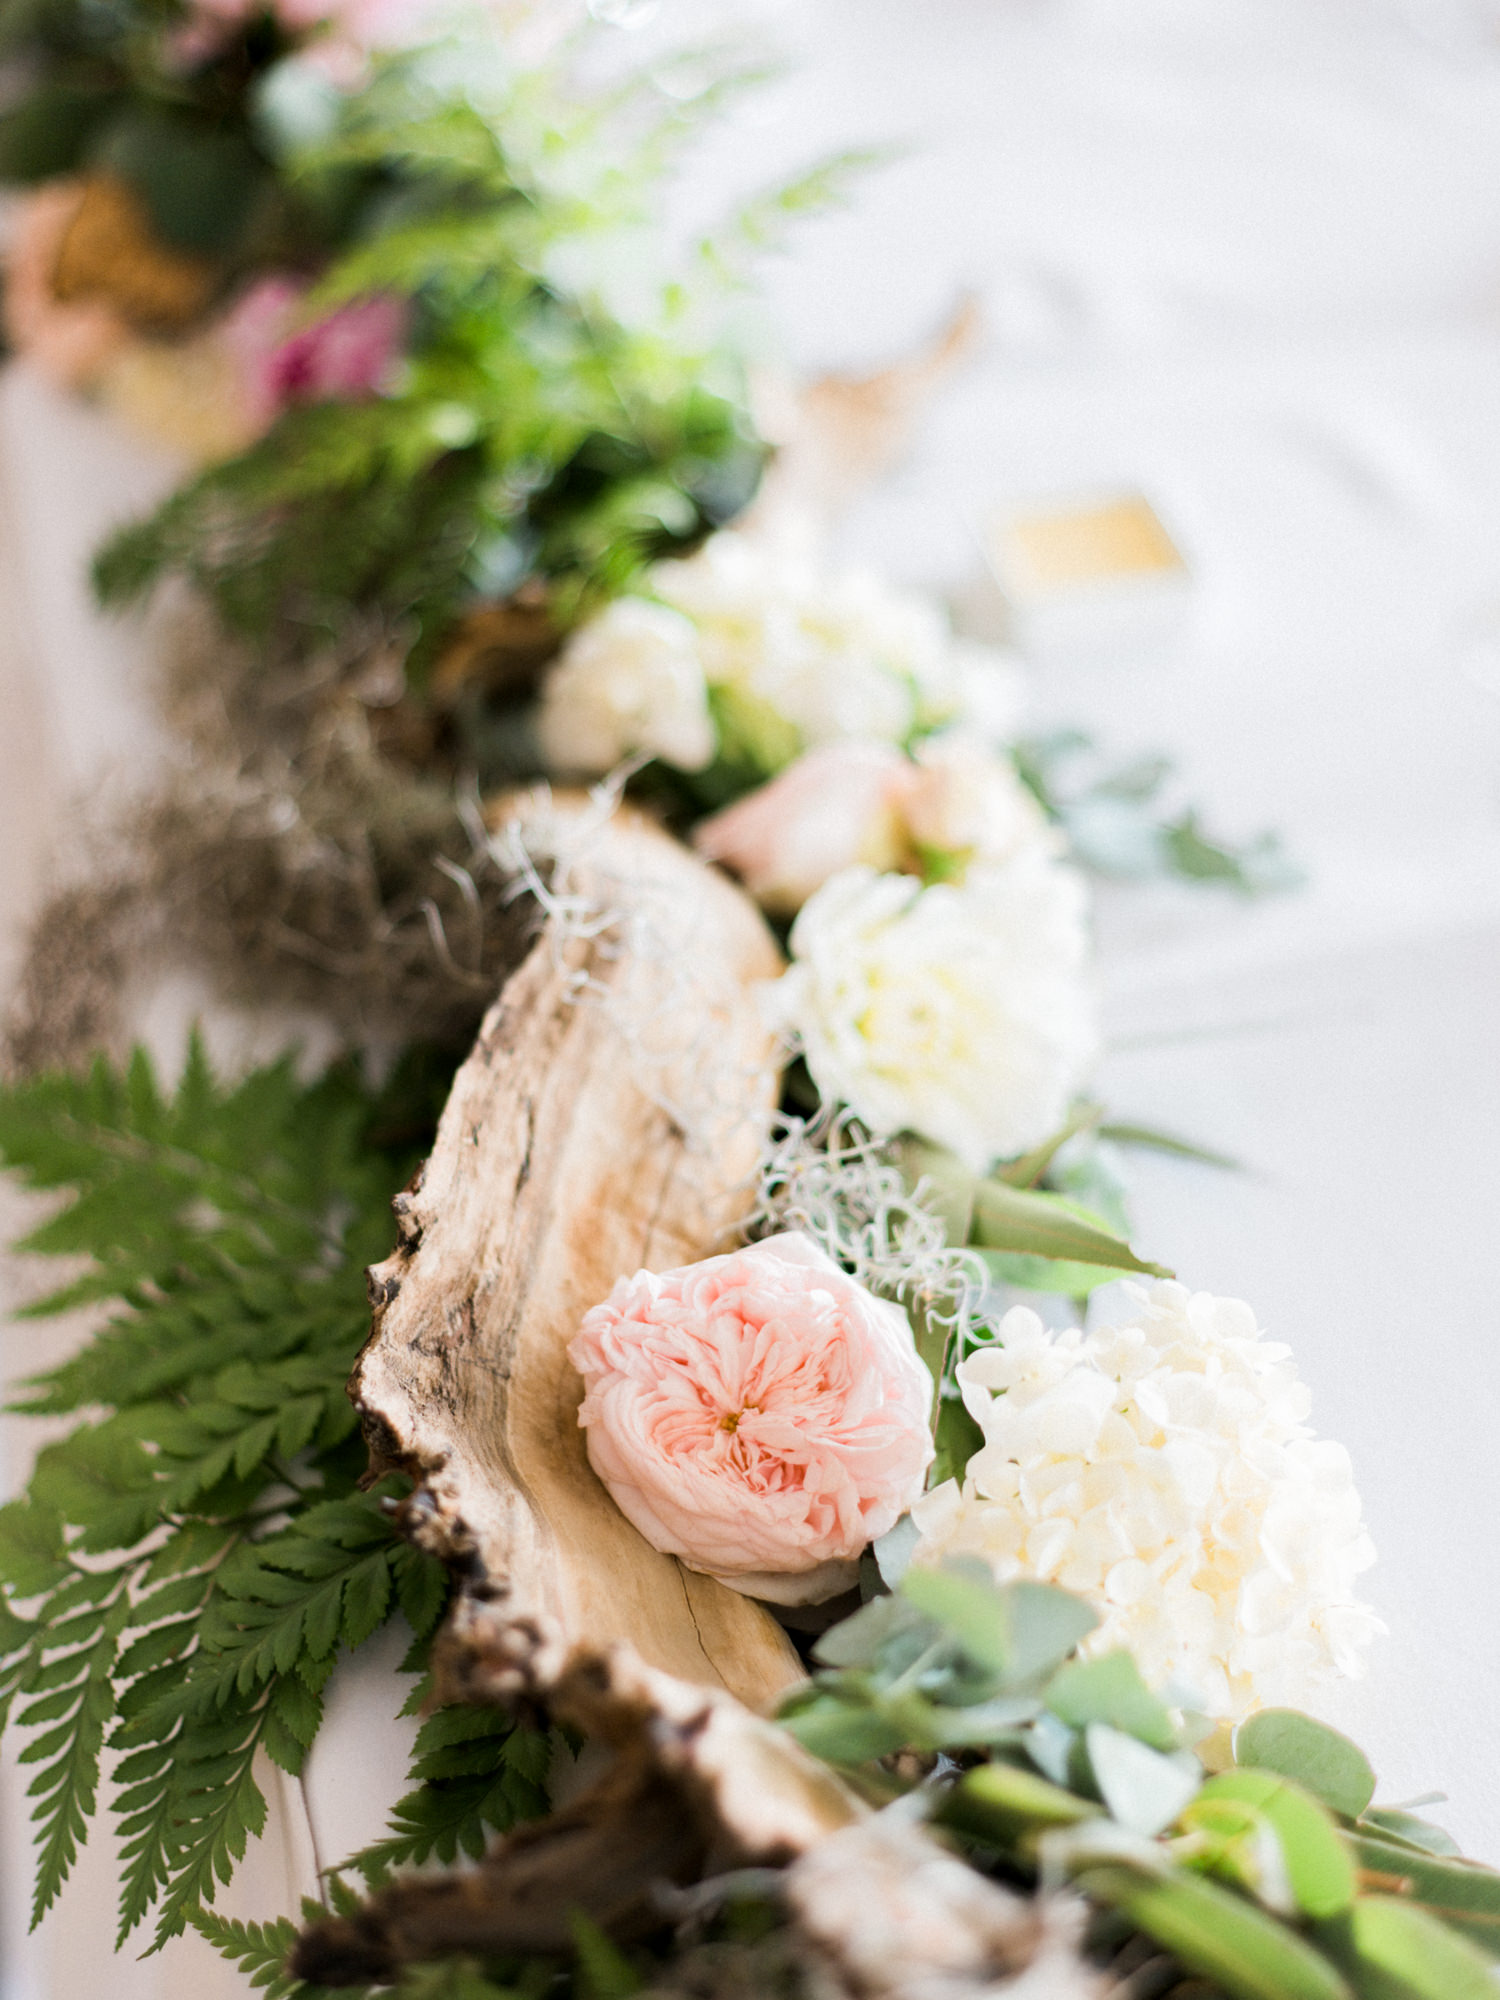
(1164, 1469)
(961, 1011)
(736, 595)
(832, 655)
(631, 681)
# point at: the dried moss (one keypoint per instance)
(292, 854)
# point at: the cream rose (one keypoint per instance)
(962, 1011)
(759, 1415)
(830, 654)
(629, 682)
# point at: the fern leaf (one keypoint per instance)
(229, 1556)
(476, 1773)
(67, 1785)
(259, 1950)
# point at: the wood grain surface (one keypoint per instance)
(607, 1120)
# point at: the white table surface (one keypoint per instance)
(1249, 257)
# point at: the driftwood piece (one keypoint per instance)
(838, 433)
(699, 1788)
(608, 1119)
(696, 1785)
(886, 1913)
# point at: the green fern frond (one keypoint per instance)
(475, 1773)
(190, 1559)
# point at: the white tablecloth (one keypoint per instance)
(1247, 256)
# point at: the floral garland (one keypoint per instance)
(1053, 1580)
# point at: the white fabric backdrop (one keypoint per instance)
(1248, 256)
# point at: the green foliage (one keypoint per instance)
(1118, 822)
(260, 1952)
(1028, 1236)
(100, 88)
(476, 1773)
(1272, 1880)
(1326, 1762)
(189, 1559)
(538, 429)
(945, 1662)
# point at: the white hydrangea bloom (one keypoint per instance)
(961, 1011)
(629, 681)
(1165, 1470)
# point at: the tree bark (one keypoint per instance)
(608, 1119)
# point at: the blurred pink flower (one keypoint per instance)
(855, 803)
(759, 1415)
(837, 806)
(344, 355)
(335, 34)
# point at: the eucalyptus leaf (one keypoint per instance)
(1110, 1689)
(879, 1632)
(982, 1724)
(1405, 1826)
(1003, 1804)
(893, 1551)
(1144, 1790)
(1234, 1841)
(1319, 1870)
(1046, 1625)
(1403, 1953)
(1048, 1225)
(1216, 1934)
(1464, 1894)
(1050, 1745)
(1320, 1759)
(968, 1607)
(841, 1734)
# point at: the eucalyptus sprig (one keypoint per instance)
(1120, 822)
(1256, 1860)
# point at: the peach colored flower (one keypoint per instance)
(70, 341)
(835, 807)
(759, 1415)
(965, 798)
(858, 802)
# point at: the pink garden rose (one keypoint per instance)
(964, 797)
(346, 354)
(836, 807)
(759, 1415)
(856, 803)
